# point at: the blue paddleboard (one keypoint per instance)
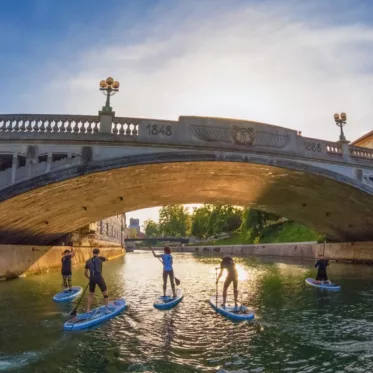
(96, 316)
(240, 313)
(167, 302)
(333, 287)
(65, 296)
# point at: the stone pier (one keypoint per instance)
(19, 260)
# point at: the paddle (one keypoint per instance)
(216, 280)
(73, 312)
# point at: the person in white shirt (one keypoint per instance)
(168, 270)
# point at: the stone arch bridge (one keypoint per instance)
(61, 172)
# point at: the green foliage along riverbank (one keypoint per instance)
(240, 225)
(283, 232)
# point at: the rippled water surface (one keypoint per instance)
(297, 328)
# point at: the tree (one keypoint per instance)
(254, 222)
(151, 228)
(200, 221)
(173, 221)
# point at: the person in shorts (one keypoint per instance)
(66, 269)
(232, 276)
(94, 266)
(168, 270)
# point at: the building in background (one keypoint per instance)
(109, 232)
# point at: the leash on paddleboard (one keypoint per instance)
(73, 312)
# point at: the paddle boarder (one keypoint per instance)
(232, 276)
(321, 276)
(66, 269)
(168, 270)
(94, 266)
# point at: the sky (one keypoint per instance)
(292, 63)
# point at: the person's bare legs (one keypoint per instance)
(172, 280)
(235, 292)
(90, 300)
(106, 300)
(164, 283)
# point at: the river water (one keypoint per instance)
(297, 328)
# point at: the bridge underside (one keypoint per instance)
(46, 213)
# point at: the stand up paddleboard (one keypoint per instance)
(167, 302)
(65, 296)
(96, 316)
(333, 287)
(240, 313)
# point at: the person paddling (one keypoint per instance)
(66, 269)
(321, 276)
(232, 276)
(94, 266)
(168, 270)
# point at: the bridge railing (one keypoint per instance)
(358, 152)
(49, 123)
(87, 124)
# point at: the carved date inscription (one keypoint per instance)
(159, 129)
(312, 146)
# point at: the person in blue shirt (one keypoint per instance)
(168, 270)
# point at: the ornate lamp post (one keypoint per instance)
(108, 87)
(340, 121)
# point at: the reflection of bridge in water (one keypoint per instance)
(59, 173)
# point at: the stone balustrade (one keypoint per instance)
(358, 152)
(49, 123)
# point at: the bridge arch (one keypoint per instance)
(44, 208)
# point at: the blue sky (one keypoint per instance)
(292, 63)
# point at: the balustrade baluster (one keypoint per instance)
(115, 129)
(76, 127)
(121, 131)
(28, 126)
(89, 128)
(69, 128)
(42, 126)
(22, 128)
(48, 128)
(16, 126)
(9, 127)
(95, 128)
(128, 129)
(55, 127)
(135, 129)
(2, 126)
(62, 126)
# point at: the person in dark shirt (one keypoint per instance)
(232, 276)
(94, 266)
(321, 265)
(66, 270)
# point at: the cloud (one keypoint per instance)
(281, 63)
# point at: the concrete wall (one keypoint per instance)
(21, 260)
(352, 252)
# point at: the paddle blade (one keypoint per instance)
(177, 281)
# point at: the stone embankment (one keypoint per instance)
(19, 260)
(348, 252)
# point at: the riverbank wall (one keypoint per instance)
(21, 260)
(347, 252)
